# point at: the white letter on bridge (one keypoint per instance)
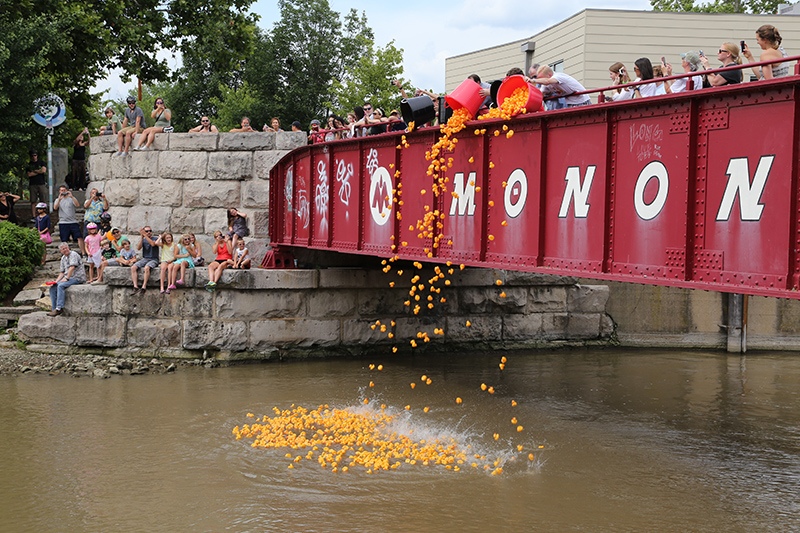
(464, 194)
(654, 169)
(574, 190)
(749, 195)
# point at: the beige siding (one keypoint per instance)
(592, 40)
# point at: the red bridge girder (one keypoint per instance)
(695, 190)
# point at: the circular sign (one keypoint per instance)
(380, 196)
(49, 111)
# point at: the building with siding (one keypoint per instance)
(587, 43)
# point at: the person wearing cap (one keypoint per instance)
(71, 273)
(94, 205)
(43, 227)
(92, 241)
(296, 126)
(114, 237)
(68, 227)
(397, 121)
(37, 182)
(135, 117)
(245, 126)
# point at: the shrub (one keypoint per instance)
(21, 251)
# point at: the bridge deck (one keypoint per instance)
(696, 189)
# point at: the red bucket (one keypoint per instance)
(466, 95)
(511, 84)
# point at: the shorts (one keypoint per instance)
(112, 262)
(146, 262)
(131, 128)
(38, 194)
(69, 230)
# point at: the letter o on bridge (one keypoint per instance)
(516, 193)
(657, 170)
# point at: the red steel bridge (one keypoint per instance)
(697, 189)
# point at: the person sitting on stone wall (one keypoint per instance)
(113, 126)
(72, 273)
(245, 126)
(132, 124)
(163, 124)
(148, 261)
(275, 125)
(205, 127)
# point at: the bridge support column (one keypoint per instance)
(737, 323)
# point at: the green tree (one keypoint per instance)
(370, 78)
(717, 6)
(63, 46)
(233, 105)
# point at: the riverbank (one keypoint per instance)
(15, 361)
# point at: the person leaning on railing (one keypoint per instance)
(561, 85)
(690, 61)
(728, 53)
(769, 39)
(619, 75)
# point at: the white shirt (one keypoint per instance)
(565, 87)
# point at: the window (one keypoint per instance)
(558, 66)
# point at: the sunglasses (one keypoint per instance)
(204, 121)
(159, 102)
(722, 51)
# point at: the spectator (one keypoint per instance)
(379, 122)
(93, 249)
(296, 126)
(644, 71)
(223, 248)
(275, 125)
(237, 225)
(72, 273)
(245, 126)
(126, 258)
(619, 76)
(94, 207)
(114, 237)
(397, 121)
(134, 116)
(316, 135)
(113, 126)
(7, 207)
(163, 118)
(205, 127)
(148, 262)
(690, 61)
(728, 54)
(37, 182)
(167, 257)
(330, 135)
(661, 86)
(68, 227)
(562, 85)
(769, 39)
(79, 160)
(43, 227)
(105, 223)
(182, 251)
(241, 258)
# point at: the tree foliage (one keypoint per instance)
(312, 62)
(64, 46)
(21, 251)
(717, 6)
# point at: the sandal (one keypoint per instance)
(171, 287)
(163, 291)
(179, 282)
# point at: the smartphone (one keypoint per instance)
(663, 61)
(742, 43)
(702, 54)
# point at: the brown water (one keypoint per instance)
(633, 441)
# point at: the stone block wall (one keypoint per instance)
(186, 181)
(266, 313)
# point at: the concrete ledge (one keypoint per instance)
(247, 141)
(260, 313)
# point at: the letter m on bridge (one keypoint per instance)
(463, 195)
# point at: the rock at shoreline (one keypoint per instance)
(17, 362)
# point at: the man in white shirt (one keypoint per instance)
(562, 85)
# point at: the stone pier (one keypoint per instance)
(264, 314)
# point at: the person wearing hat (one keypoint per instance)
(135, 117)
(114, 237)
(296, 126)
(43, 227)
(37, 181)
(105, 222)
